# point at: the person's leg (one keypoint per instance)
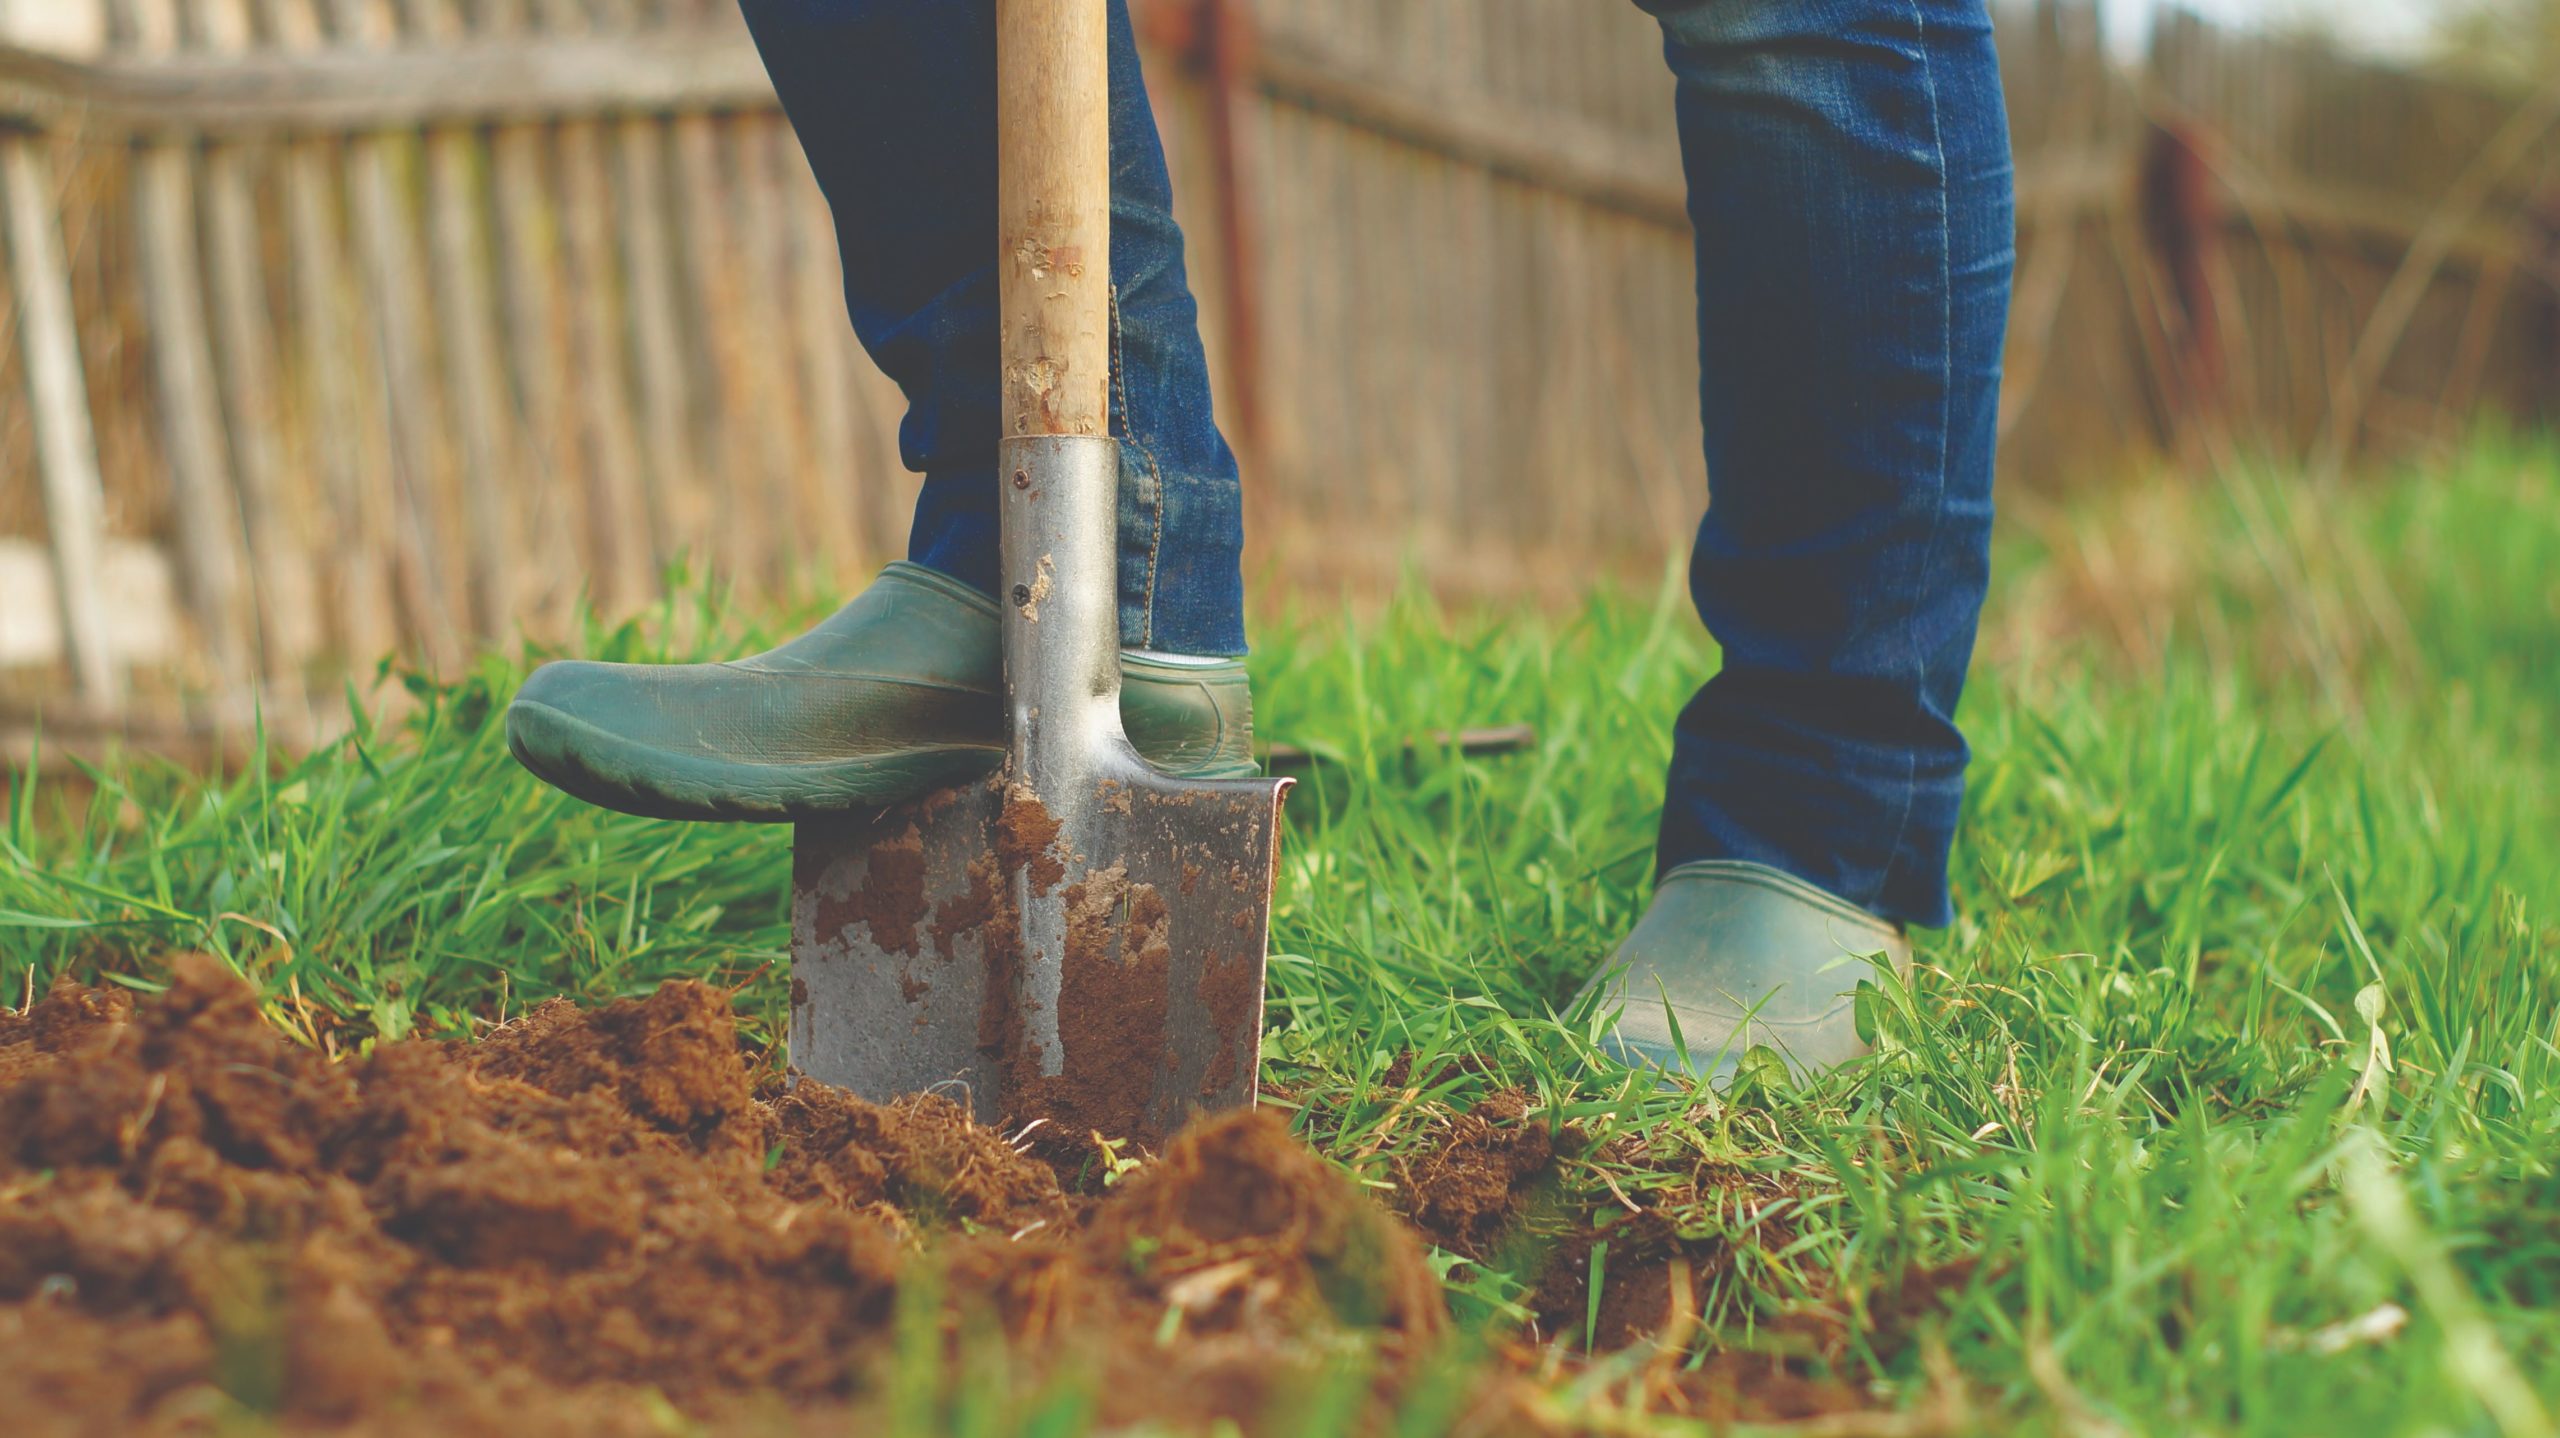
(1849, 176)
(894, 102)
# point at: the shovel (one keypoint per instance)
(1077, 938)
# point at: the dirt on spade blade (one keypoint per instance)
(588, 1221)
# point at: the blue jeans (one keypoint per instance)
(895, 103)
(1848, 166)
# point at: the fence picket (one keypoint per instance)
(717, 262)
(282, 585)
(474, 376)
(617, 499)
(344, 438)
(552, 507)
(345, 443)
(194, 446)
(66, 438)
(780, 452)
(669, 471)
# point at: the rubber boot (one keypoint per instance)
(898, 693)
(1742, 956)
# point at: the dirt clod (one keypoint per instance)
(1469, 1189)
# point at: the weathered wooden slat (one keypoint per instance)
(281, 580)
(347, 435)
(1275, 161)
(799, 488)
(387, 227)
(66, 440)
(474, 377)
(717, 261)
(594, 298)
(386, 233)
(344, 439)
(557, 461)
(669, 474)
(618, 503)
(202, 487)
(282, 587)
(193, 441)
(60, 27)
(537, 335)
(550, 463)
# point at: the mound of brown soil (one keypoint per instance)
(590, 1222)
(589, 1218)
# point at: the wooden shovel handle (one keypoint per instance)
(1053, 167)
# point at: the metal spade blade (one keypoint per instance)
(1076, 938)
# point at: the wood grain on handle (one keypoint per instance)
(1053, 119)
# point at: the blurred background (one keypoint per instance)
(336, 329)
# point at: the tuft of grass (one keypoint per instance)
(408, 878)
(2229, 1099)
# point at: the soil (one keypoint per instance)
(892, 902)
(590, 1221)
(1470, 1189)
(1114, 995)
(1114, 998)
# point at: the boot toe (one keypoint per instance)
(563, 689)
(572, 725)
(1731, 956)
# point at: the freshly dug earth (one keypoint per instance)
(589, 1222)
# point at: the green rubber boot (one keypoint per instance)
(898, 693)
(1744, 956)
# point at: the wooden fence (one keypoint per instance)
(337, 328)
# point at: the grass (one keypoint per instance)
(2229, 1101)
